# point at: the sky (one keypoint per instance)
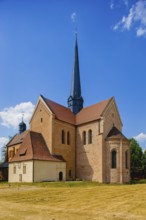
(37, 39)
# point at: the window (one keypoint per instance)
(12, 153)
(63, 137)
(90, 136)
(68, 138)
(24, 169)
(14, 169)
(114, 158)
(84, 137)
(126, 159)
(41, 120)
(69, 173)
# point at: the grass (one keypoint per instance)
(72, 201)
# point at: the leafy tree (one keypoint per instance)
(137, 159)
(144, 163)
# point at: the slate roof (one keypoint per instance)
(33, 148)
(115, 134)
(87, 114)
(17, 139)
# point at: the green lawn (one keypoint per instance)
(72, 201)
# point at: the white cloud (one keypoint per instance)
(3, 141)
(12, 116)
(73, 17)
(141, 31)
(141, 137)
(118, 3)
(136, 18)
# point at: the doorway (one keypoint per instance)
(60, 176)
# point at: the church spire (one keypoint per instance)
(75, 100)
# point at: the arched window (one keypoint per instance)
(84, 137)
(126, 159)
(90, 136)
(63, 137)
(114, 159)
(68, 138)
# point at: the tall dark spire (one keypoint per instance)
(75, 100)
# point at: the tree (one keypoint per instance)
(3, 153)
(137, 160)
(144, 163)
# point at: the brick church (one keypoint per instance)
(69, 143)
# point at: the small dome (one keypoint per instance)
(22, 127)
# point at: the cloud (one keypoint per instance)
(73, 17)
(3, 141)
(12, 116)
(136, 18)
(118, 3)
(112, 4)
(141, 137)
(141, 31)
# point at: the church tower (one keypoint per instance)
(22, 127)
(75, 100)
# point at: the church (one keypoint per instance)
(71, 143)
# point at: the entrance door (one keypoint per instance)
(60, 176)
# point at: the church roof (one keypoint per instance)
(33, 147)
(115, 134)
(88, 114)
(61, 112)
(17, 139)
(91, 113)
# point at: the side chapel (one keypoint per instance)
(69, 143)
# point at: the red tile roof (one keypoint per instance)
(33, 148)
(87, 114)
(17, 139)
(61, 112)
(91, 113)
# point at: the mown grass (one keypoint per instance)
(72, 201)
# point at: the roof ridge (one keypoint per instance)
(98, 103)
(44, 98)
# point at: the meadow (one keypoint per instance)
(72, 201)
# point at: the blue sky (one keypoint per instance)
(37, 40)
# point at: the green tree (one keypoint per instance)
(144, 163)
(137, 159)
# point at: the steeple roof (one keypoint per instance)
(75, 84)
(75, 100)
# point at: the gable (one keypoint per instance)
(111, 117)
(40, 104)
